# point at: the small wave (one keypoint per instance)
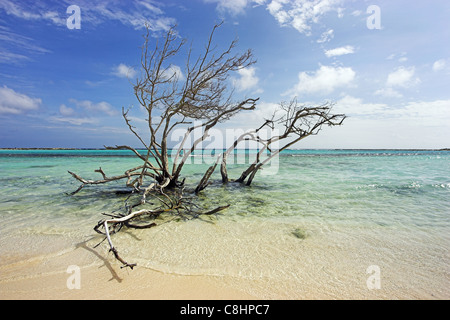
(42, 166)
(414, 185)
(442, 186)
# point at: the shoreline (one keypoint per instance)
(110, 282)
(318, 149)
(51, 277)
(138, 284)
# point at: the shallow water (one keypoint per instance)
(309, 226)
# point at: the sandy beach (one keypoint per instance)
(47, 276)
(47, 279)
(139, 284)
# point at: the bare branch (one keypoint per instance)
(298, 122)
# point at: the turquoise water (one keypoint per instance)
(310, 225)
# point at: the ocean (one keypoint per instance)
(333, 224)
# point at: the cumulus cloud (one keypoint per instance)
(340, 51)
(124, 71)
(325, 80)
(65, 110)
(247, 80)
(173, 71)
(12, 102)
(439, 65)
(402, 77)
(301, 14)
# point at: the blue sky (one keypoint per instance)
(386, 64)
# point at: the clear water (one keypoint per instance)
(309, 227)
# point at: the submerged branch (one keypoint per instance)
(172, 204)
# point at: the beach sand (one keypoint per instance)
(47, 278)
(138, 284)
(329, 272)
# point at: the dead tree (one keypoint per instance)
(199, 99)
(171, 101)
(297, 122)
(202, 95)
(294, 121)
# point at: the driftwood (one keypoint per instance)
(174, 204)
(114, 225)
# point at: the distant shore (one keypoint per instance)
(406, 149)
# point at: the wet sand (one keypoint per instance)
(47, 278)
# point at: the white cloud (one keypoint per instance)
(439, 65)
(135, 13)
(173, 71)
(354, 106)
(101, 107)
(325, 80)
(124, 71)
(12, 102)
(265, 110)
(402, 77)
(11, 57)
(153, 8)
(13, 8)
(340, 51)
(429, 113)
(235, 7)
(412, 125)
(232, 6)
(356, 13)
(401, 57)
(301, 14)
(247, 80)
(88, 115)
(389, 93)
(326, 36)
(65, 110)
(54, 17)
(73, 120)
(255, 118)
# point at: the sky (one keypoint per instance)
(67, 67)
